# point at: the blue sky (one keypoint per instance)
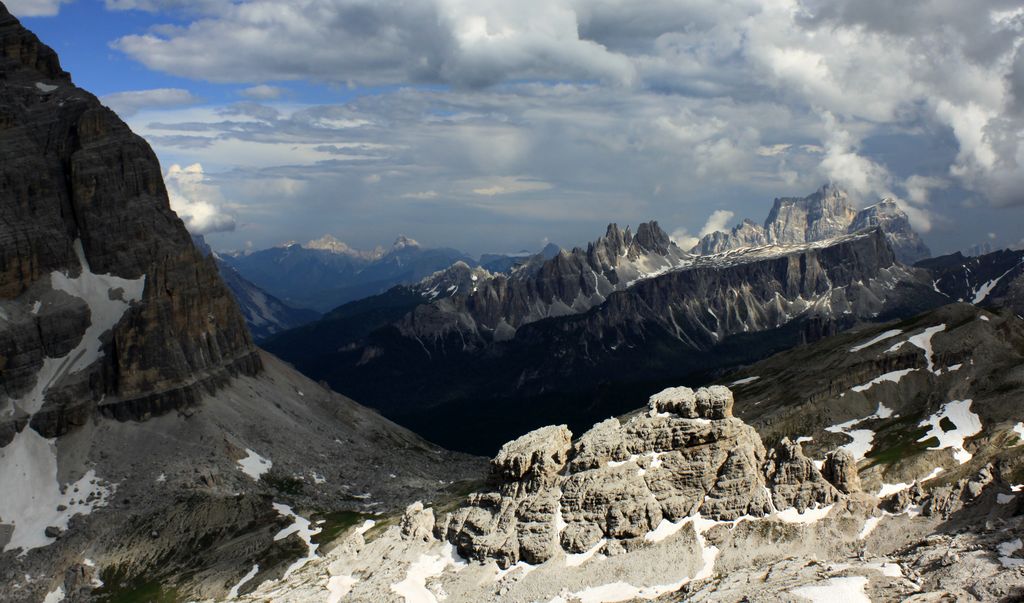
(487, 126)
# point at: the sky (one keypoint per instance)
(490, 125)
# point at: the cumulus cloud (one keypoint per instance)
(196, 202)
(606, 101)
(35, 8)
(131, 102)
(717, 221)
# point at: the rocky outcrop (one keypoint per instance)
(795, 481)
(84, 201)
(745, 234)
(893, 221)
(825, 214)
(840, 470)
(616, 484)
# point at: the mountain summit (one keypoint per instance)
(822, 215)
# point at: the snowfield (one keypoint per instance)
(967, 424)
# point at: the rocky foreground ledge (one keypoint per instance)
(681, 501)
(619, 482)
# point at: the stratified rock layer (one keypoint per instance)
(71, 170)
(618, 482)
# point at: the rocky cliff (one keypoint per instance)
(825, 214)
(85, 211)
(613, 487)
(147, 449)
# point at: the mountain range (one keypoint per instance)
(326, 273)
(824, 214)
(799, 418)
(627, 314)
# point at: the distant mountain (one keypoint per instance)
(820, 216)
(560, 340)
(326, 273)
(501, 262)
(994, 279)
(264, 314)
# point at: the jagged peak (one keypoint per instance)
(403, 242)
(329, 242)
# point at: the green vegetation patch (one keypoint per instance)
(283, 484)
(335, 524)
(117, 589)
(900, 442)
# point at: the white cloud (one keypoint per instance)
(507, 185)
(919, 187)
(262, 92)
(700, 101)
(421, 195)
(717, 221)
(843, 165)
(195, 201)
(131, 102)
(35, 8)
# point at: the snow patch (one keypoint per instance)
(96, 290)
(30, 461)
(1005, 499)
(924, 341)
(414, 587)
(578, 559)
(47, 88)
(880, 338)
(1019, 430)
(848, 590)
(302, 527)
(1006, 551)
(338, 587)
(622, 591)
(254, 465)
(233, 593)
(892, 570)
(966, 424)
(744, 381)
(55, 596)
(869, 526)
(862, 438)
(809, 516)
(893, 376)
(665, 529)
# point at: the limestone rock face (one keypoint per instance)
(618, 481)
(825, 214)
(83, 198)
(840, 470)
(417, 523)
(795, 481)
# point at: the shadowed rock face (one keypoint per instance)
(71, 171)
(616, 484)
